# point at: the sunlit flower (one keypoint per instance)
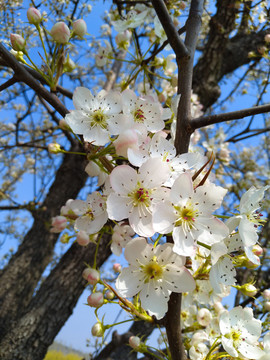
(96, 117)
(240, 333)
(154, 273)
(135, 194)
(188, 215)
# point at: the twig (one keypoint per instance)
(23, 75)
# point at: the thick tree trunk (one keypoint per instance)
(47, 312)
(22, 274)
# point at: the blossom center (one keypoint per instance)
(186, 216)
(235, 335)
(139, 116)
(140, 196)
(89, 214)
(153, 271)
(98, 118)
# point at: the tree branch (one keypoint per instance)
(233, 115)
(23, 75)
(173, 37)
(185, 74)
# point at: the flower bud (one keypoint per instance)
(17, 42)
(79, 28)
(109, 295)
(97, 330)
(34, 16)
(204, 317)
(93, 277)
(18, 55)
(59, 223)
(257, 250)
(69, 65)
(134, 342)
(63, 125)
(219, 308)
(117, 268)
(266, 305)
(60, 33)
(266, 294)
(247, 289)
(54, 148)
(122, 39)
(86, 272)
(95, 299)
(267, 38)
(83, 238)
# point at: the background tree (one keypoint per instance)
(230, 43)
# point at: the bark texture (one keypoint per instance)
(47, 312)
(22, 274)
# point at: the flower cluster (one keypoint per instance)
(157, 193)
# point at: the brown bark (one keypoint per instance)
(221, 54)
(47, 312)
(22, 274)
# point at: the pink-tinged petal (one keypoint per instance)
(164, 218)
(140, 220)
(82, 98)
(251, 256)
(155, 299)
(123, 179)
(153, 173)
(247, 232)
(138, 251)
(178, 279)
(250, 351)
(129, 282)
(118, 207)
(182, 189)
(184, 244)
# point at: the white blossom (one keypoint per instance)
(240, 332)
(92, 214)
(136, 193)
(188, 215)
(96, 117)
(154, 273)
